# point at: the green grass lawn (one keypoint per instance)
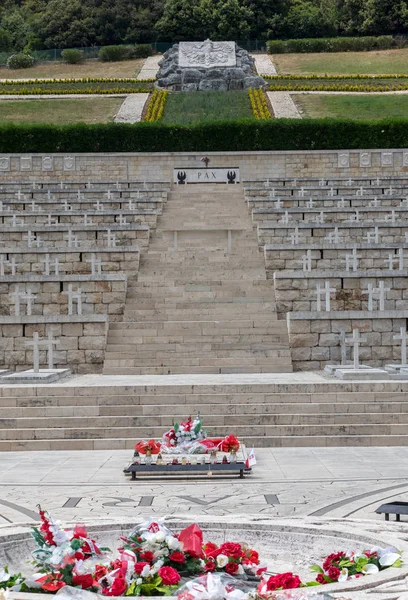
(189, 108)
(352, 107)
(25, 88)
(59, 112)
(342, 63)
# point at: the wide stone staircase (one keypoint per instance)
(201, 302)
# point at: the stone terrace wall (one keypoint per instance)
(159, 166)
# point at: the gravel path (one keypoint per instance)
(131, 109)
(264, 64)
(150, 67)
(283, 105)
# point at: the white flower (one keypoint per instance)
(160, 536)
(139, 581)
(240, 570)
(172, 542)
(370, 569)
(145, 571)
(222, 560)
(4, 576)
(343, 575)
(388, 559)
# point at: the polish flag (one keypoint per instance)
(251, 459)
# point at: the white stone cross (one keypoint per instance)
(32, 239)
(302, 192)
(331, 192)
(403, 338)
(49, 195)
(370, 291)
(399, 257)
(390, 218)
(355, 218)
(111, 238)
(19, 194)
(96, 265)
(372, 236)
(376, 182)
(326, 291)
(381, 291)
(267, 182)
(34, 185)
(360, 191)
(284, 219)
(98, 205)
(272, 193)
(310, 203)
(278, 203)
(89, 185)
(16, 222)
(341, 203)
(389, 191)
(48, 343)
(3, 263)
(355, 341)
(87, 220)
(322, 183)
(51, 221)
(29, 299)
(138, 194)
(349, 182)
(61, 185)
(67, 207)
(48, 265)
(108, 194)
(123, 221)
(334, 237)
(307, 261)
(74, 296)
(294, 183)
(294, 237)
(80, 195)
(131, 206)
(320, 218)
(375, 202)
(352, 260)
(72, 239)
(118, 185)
(343, 346)
(35, 207)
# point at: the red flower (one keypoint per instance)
(231, 568)
(333, 573)
(139, 566)
(209, 548)
(320, 579)
(169, 575)
(210, 566)
(100, 571)
(177, 557)
(333, 560)
(147, 556)
(231, 550)
(53, 586)
(118, 587)
(284, 581)
(79, 555)
(252, 556)
(83, 581)
(116, 564)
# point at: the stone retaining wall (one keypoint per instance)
(159, 166)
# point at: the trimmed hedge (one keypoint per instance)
(251, 135)
(340, 44)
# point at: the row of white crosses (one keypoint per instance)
(37, 343)
(371, 291)
(34, 240)
(20, 297)
(341, 203)
(356, 340)
(51, 266)
(352, 260)
(324, 182)
(335, 237)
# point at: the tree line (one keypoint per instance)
(42, 24)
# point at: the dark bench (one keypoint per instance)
(393, 508)
(171, 469)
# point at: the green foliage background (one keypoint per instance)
(42, 24)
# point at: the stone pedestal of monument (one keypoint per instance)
(207, 66)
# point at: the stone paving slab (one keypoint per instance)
(283, 105)
(131, 109)
(264, 64)
(150, 67)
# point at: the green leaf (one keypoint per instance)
(312, 583)
(398, 563)
(38, 537)
(316, 569)
(176, 427)
(197, 428)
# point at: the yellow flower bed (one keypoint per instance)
(156, 105)
(259, 104)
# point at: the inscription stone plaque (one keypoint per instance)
(207, 54)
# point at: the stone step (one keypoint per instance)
(198, 359)
(242, 431)
(188, 345)
(127, 407)
(301, 441)
(229, 421)
(199, 370)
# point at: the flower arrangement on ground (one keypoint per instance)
(152, 560)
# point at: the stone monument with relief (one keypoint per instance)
(207, 66)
